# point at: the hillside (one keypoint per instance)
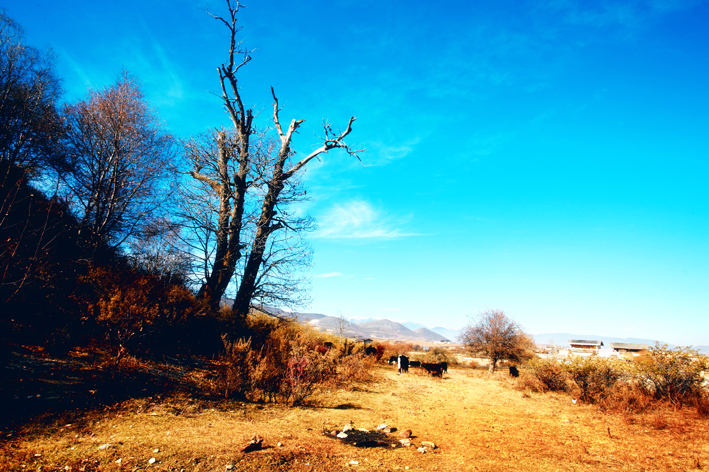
(337, 326)
(374, 329)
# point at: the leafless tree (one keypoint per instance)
(496, 337)
(30, 127)
(120, 157)
(30, 136)
(235, 177)
(286, 255)
(159, 251)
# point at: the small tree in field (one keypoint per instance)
(496, 337)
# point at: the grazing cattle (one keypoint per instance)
(436, 370)
(403, 364)
(392, 360)
(370, 351)
(513, 371)
(444, 367)
(414, 363)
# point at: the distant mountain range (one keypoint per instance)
(368, 328)
(383, 329)
(375, 329)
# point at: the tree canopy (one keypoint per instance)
(496, 337)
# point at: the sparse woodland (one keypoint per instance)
(118, 236)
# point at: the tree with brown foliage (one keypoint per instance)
(496, 337)
(120, 156)
(238, 174)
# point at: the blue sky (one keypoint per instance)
(548, 158)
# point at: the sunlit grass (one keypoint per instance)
(477, 422)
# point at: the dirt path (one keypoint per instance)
(476, 423)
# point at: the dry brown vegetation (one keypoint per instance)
(477, 422)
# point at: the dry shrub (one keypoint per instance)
(662, 375)
(355, 368)
(307, 370)
(142, 310)
(673, 375)
(438, 354)
(627, 398)
(703, 406)
(293, 361)
(593, 377)
(394, 349)
(549, 373)
(286, 362)
(234, 370)
(659, 422)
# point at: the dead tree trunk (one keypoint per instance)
(268, 223)
(232, 189)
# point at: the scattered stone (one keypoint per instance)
(156, 450)
(230, 467)
(118, 461)
(348, 427)
(255, 444)
(428, 444)
(354, 463)
(406, 434)
(103, 447)
(405, 442)
(422, 450)
(364, 430)
(280, 444)
(382, 426)
(342, 435)
(334, 432)
(152, 460)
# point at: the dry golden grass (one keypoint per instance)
(477, 422)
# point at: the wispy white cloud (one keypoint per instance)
(328, 275)
(357, 220)
(379, 153)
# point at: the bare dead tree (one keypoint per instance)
(285, 255)
(496, 337)
(234, 174)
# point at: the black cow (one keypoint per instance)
(392, 360)
(435, 369)
(370, 351)
(403, 364)
(444, 367)
(513, 371)
(414, 363)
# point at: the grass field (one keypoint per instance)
(476, 421)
